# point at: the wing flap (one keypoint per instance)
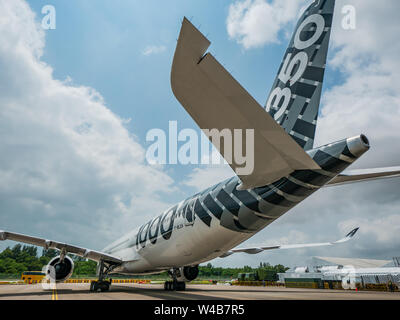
(215, 100)
(50, 244)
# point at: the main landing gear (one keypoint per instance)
(174, 285)
(102, 285)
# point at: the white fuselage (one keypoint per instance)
(190, 244)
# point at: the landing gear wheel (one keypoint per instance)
(101, 286)
(104, 286)
(174, 286)
(168, 285)
(180, 286)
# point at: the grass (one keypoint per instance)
(6, 276)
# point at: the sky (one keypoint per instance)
(77, 101)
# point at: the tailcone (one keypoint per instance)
(358, 145)
(337, 156)
(333, 158)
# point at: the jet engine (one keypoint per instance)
(60, 270)
(187, 274)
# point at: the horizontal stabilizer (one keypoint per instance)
(351, 176)
(215, 100)
(50, 244)
(255, 250)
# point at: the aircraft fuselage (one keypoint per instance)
(219, 218)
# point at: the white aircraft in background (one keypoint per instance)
(287, 167)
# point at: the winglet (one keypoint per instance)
(348, 236)
(352, 233)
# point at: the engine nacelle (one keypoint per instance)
(187, 274)
(60, 271)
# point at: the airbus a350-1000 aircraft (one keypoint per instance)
(287, 167)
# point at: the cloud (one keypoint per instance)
(367, 57)
(216, 170)
(69, 168)
(204, 177)
(254, 23)
(149, 50)
(385, 231)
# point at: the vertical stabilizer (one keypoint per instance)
(295, 95)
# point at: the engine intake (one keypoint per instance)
(358, 145)
(60, 271)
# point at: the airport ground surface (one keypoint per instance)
(73, 291)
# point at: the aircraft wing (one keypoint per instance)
(359, 175)
(50, 244)
(215, 100)
(255, 250)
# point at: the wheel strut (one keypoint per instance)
(174, 285)
(101, 284)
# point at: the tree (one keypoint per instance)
(21, 258)
(85, 267)
(50, 253)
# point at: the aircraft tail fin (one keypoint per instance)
(295, 95)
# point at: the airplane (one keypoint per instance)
(287, 166)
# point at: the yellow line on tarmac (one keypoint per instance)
(54, 295)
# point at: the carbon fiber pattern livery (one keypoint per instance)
(295, 95)
(249, 211)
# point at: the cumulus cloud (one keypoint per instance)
(69, 168)
(384, 230)
(254, 23)
(204, 177)
(367, 57)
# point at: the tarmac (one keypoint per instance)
(74, 291)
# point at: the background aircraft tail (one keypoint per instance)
(295, 95)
